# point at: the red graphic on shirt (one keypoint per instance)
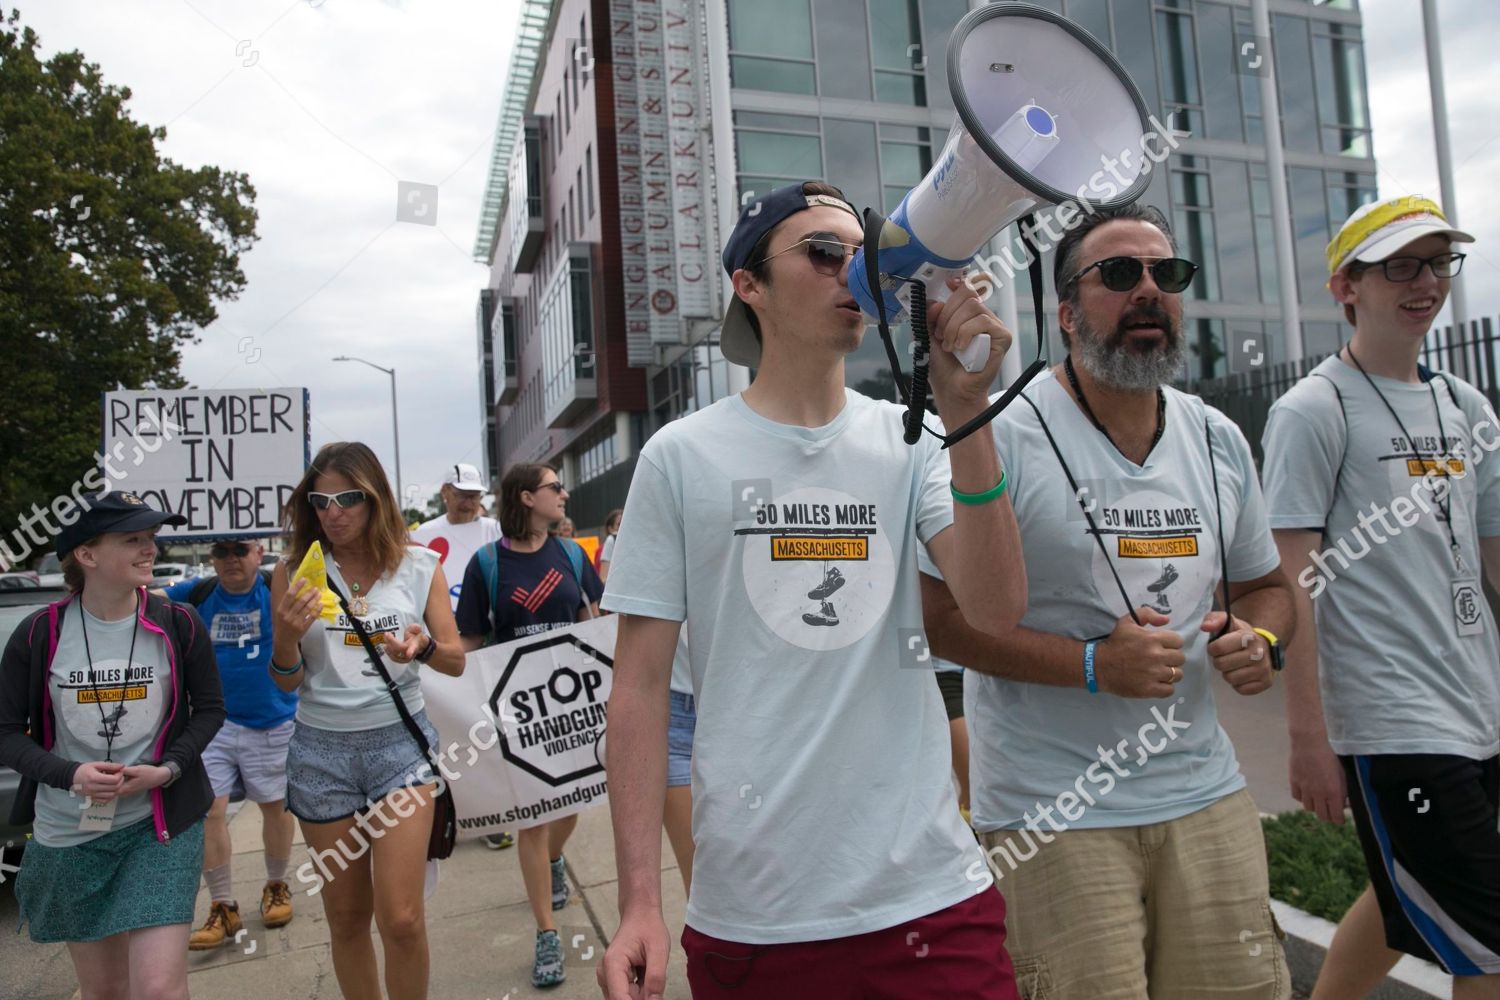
(533, 600)
(440, 546)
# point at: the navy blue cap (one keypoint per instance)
(117, 510)
(737, 338)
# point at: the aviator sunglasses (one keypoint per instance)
(344, 500)
(825, 251)
(1122, 274)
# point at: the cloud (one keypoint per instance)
(340, 100)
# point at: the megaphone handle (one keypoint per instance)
(935, 279)
(975, 354)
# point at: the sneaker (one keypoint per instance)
(276, 904)
(560, 890)
(1167, 578)
(825, 616)
(832, 580)
(547, 970)
(222, 925)
(499, 841)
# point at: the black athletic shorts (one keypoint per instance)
(951, 683)
(1430, 828)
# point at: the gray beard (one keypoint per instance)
(1121, 368)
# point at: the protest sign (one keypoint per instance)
(227, 460)
(521, 732)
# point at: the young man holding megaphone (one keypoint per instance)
(783, 525)
(1106, 793)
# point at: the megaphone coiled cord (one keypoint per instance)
(921, 341)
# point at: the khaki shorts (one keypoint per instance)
(1171, 911)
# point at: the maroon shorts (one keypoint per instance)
(957, 952)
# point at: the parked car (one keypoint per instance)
(22, 580)
(49, 571)
(15, 606)
(165, 574)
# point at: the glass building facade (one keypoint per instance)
(855, 91)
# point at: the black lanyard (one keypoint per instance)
(109, 728)
(1445, 505)
(1088, 411)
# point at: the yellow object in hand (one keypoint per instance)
(314, 569)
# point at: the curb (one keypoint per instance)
(1306, 946)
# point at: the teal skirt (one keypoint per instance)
(122, 881)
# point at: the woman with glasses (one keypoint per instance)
(356, 778)
(107, 701)
(563, 588)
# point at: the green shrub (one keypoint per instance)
(1315, 866)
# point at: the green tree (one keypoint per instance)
(111, 258)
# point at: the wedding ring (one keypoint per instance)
(1176, 674)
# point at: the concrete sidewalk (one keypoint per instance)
(479, 925)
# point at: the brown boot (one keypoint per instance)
(222, 925)
(276, 904)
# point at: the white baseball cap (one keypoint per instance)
(465, 478)
(1379, 229)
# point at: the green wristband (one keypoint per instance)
(975, 499)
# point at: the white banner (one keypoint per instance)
(521, 732)
(227, 460)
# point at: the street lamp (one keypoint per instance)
(395, 427)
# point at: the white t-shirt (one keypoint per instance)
(343, 690)
(455, 545)
(120, 707)
(1397, 675)
(609, 549)
(823, 804)
(1031, 744)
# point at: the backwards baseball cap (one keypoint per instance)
(1379, 229)
(737, 338)
(117, 510)
(465, 478)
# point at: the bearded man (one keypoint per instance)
(1107, 795)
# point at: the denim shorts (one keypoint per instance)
(680, 740)
(333, 775)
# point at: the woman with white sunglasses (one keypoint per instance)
(356, 778)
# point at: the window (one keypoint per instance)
(1294, 77)
(905, 158)
(1343, 120)
(1192, 218)
(1178, 58)
(1310, 229)
(775, 149)
(843, 59)
(596, 451)
(896, 41)
(588, 176)
(1205, 343)
(1346, 192)
(578, 209)
(567, 109)
(1222, 117)
(557, 128)
(770, 45)
(1265, 236)
(1093, 15)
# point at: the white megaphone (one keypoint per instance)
(1045, 113)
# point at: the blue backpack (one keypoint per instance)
(489, 565)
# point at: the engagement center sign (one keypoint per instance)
(227, 460)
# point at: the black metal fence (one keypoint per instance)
(1246, 398)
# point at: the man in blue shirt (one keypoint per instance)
(249, 752)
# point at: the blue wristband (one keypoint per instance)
(1088, 666)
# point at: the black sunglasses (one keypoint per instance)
(223, 550)
(825, 251)
(556, 487)
(1122, 274)
(344, 500)
(1403, 269)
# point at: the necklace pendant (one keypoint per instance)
(360, 605)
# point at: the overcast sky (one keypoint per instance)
(328, 104)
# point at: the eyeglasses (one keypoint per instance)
(1122, 274)
(825, 251)
(556, 487)
(344, 500)
(224, 550)
(1403, 269)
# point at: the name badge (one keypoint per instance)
(1468, 607)
(98, 816)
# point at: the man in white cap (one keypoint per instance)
(455, 537)
(1385, 503)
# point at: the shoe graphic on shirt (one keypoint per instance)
(111, 722)
(832, 580)
(1159, 588)
(824, 616)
